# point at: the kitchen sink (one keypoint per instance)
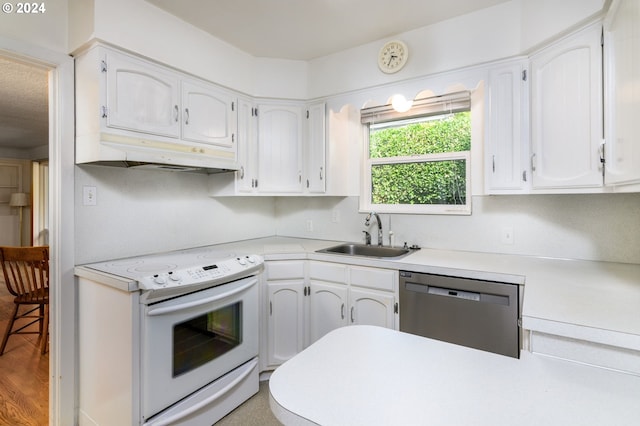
(352, 249)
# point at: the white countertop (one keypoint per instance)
(364, 375)
(594, 301)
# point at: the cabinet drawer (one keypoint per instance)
(382, 279)
(285, 270)
(328, 272)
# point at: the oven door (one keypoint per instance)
(191, 340)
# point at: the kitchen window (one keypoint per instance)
(418, 161)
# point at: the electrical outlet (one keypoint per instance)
(89, 196)
(506, 235)
(335, 215)
(309, 225)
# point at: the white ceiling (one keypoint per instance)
(24, 116)
(307, 29)
(284, 29)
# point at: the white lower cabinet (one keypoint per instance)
(371, 307)
(308, 299)
(286, 288)
(327, 308)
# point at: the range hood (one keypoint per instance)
(152, 154)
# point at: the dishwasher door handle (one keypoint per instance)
(450, 292)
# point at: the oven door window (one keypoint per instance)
(204, 338)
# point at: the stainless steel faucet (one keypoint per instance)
(367, 222)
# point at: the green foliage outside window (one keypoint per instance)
(421, 182)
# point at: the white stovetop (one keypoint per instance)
(365, 375)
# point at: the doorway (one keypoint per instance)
(60, 195)
(24, 144)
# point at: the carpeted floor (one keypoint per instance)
(253, 412)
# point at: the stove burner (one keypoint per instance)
(216, 254)
(153, 268)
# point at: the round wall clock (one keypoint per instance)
(392, 56)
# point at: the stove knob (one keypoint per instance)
(159, 279)
(174, 277)
(251, 259)
(242, 261)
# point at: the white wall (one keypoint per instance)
(505, 30)
(143, 211)
(47, 30)
(592, 227)
(150, 31)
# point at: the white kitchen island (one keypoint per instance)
(364, 375)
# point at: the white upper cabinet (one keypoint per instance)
(566, 112)
(507, 138)
(140, 97)
(208, 115)
(131, 111)
(315, 149)
(246, 179)
(622, 93)
(280, 148)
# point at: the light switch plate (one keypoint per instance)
(89, 196)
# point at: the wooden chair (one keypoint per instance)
(26, 274)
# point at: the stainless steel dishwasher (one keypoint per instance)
(474, 313)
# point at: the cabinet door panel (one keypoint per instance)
(141, 97)
(328, 308)
(279, 148)
(208, 116)
(371, 308)
(286, 319)
(315, 149)
(506, 140)
(622, 92)
(247, 147)
(567, 113)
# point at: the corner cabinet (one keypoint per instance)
(331, 295)
(281, 150)
(506, 151)
(566, 112)
(622, 93)
(129, 109)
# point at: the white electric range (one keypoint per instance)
(190, 339)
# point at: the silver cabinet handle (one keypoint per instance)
(320, 173)
(186, 116)
(352, 320)
(242, 172)
(176, 112)
(342, 311)
(533, 162)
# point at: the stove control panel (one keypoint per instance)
(217, 273)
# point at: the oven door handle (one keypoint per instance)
(195, 407)
(174, 308)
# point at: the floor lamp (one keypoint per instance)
(19, 200)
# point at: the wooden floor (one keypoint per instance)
(24, 374)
